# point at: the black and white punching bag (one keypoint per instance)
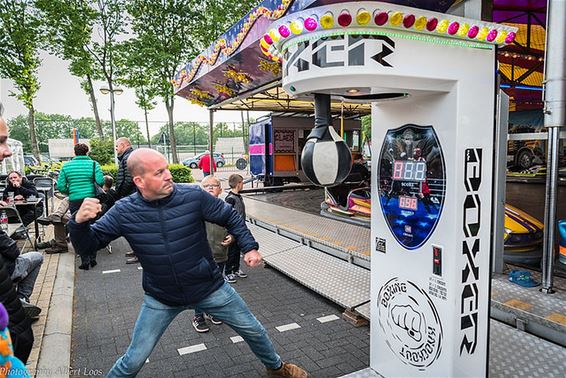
(326, 158)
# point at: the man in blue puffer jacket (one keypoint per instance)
(165, 226)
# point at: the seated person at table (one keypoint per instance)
(21, 189)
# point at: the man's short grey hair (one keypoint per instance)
(1, 109)
(124, 140)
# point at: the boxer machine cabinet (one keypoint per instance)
(411, 183)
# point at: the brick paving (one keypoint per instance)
(106, 306)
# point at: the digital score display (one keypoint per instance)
(409, 170)
(411, 181)
(408, 203)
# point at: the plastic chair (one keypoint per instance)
(45, 186)
(12, 213)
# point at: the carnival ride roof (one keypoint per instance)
(234, 74)
(521, 64)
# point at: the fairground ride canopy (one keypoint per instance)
(521, 64)
(233, 73)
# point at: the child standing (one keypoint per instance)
(218, 240)
(234, 198)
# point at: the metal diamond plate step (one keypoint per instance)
(269, 242)
(344, 283)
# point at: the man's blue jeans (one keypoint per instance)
(224, 304)
(26, 271)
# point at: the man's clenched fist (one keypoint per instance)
(252, 258)
(88, 210)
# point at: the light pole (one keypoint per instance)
(118, 91)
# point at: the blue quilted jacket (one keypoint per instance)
(169, 238)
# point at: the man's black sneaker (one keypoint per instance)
(199, 324)
(214, 320)
(31, 310)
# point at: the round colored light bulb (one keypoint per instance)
(381, 18)
(482, 34)
(463, 31)
(442, 26)
(396, 18)
(363, 17)
(501, 36)
(510, 37)
(408, 21)
(473, 32)
(274, 34)
(296, 27)
(420, 23)
(327, 20)
(453, 28)
(310, 24)
(268, 39)
(491, 35)
(344, 19)
(284, 31)
(432, 24)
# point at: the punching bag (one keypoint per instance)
(326, 158)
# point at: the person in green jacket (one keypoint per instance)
(77, 177)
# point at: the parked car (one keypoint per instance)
(193, 161)
(30, 160)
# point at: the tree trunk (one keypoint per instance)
(32, 133)
(169, 104)
(94, 107)
(147, 127)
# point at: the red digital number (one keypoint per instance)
(398, 170)
(408, 203)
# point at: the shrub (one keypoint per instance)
(102, 150)
(110, 170)
(181, 173)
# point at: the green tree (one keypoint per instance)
(137, 75)
(21, 37)
(165, 33)
(126, 128)
(69, 30)
(49, 126)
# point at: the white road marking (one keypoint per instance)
(111, 271)
(329, 318)
(191, 349)
(236, 339)
(287, 327)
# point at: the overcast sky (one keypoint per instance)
(60, 93)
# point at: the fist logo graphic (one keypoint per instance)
(410, 323)
(405, 317)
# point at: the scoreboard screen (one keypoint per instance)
(411, 182)
(409, 170)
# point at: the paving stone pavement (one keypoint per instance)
(106, 306)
